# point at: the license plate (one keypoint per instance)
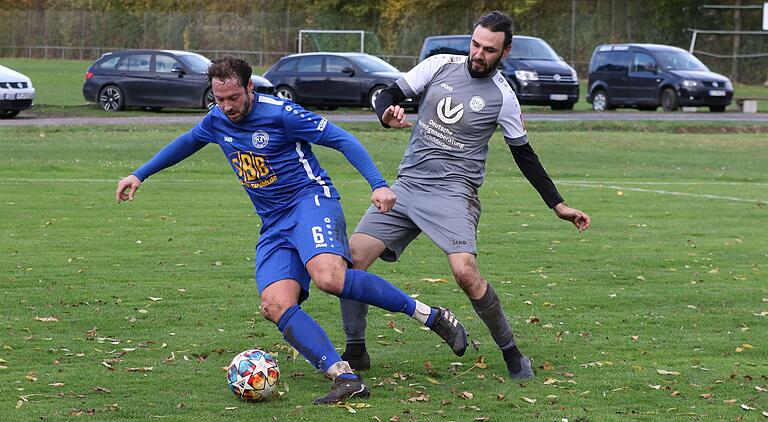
(23, 96)
(561, 97)
(717, 93)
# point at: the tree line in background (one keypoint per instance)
(264, 30)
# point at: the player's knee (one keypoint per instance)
(271, 310)
(469, 280)
(329, 276)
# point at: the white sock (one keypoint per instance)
(421, 313)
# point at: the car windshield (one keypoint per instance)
(373, 64)
(676, 60)
(532, 49)
(196, 62)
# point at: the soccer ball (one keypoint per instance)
(252, 375)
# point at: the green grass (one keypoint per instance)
(670, 277)
(59, 86)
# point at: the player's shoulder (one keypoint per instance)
(503, 86)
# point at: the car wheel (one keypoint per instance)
(375, 94)
(209, 101)
(111, 98)
(8, 114)
(716, 109)
(669, 101)
(285, 92)
(599, 100)
(562, 106)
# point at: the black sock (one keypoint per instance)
(354, 350)
(491, 312)
(512, 356)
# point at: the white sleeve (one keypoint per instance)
(510, 116)
(416, 80)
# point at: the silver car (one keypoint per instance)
(16, 93)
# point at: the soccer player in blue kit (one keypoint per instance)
(267, 141)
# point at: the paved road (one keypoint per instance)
(190, 119)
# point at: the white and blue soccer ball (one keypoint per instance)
(252, 376)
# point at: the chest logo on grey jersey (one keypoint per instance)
(260, 139)
(446, 113)
(477, 103)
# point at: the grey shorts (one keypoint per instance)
(447, 215)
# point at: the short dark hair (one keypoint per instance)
(230, 67)
(497, 21)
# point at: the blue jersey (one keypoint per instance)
(270, 152)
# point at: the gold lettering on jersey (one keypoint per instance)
(253, 170)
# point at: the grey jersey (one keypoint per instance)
(457, 117)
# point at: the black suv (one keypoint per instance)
(536, 73)
(646, 76)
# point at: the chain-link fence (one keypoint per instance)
(573, 28)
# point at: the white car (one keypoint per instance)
(16, 93)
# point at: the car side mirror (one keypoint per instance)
(348, 70)
(178, 70)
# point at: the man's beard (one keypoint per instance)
(488, 70)
(243, 113)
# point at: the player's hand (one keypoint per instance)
(394, 116)
(577, 217)
(129, 183)
(384, 199)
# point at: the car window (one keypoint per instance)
(311, 64)
(675, 60)
(373, 64)
(135, 62)
(611, 61)
(334, 64)
(643, 63)
(164, 64)
(110, 63)
(286, 66)
(458, 46)
(532, 49)
(196, 62)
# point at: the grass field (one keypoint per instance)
(59, 86)
(131, 311)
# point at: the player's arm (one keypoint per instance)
(318, 130)
(176, 151)
(531, 167)
(387, 108)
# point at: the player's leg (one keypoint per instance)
(283, 284)
(376, 235)
(365, 250)
(319, 234)
(486, 303)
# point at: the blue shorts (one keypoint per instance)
(313, 226)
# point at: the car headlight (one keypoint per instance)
(728, 86)
(525, 75)
(690, 84)
(574, 75)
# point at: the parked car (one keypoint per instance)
(534, 70)
(153, 79)
(333, 79)
(646, 76)
(16, 93)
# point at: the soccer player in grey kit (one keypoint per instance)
(463, 100)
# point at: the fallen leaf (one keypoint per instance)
(434, 280)
(730, 401)
(142, 369)
(56, 384)
(47, 319)
(155, 299)
(466, 395)
(745, 407)
(707, 396)
(500, 397)
(665, 372)
(531, 401)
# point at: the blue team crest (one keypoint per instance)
(260, 139)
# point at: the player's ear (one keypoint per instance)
(249, 86)
(506, 50)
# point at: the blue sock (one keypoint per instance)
(431, 318)
(347, 376)
(369, 288)
(309, 338)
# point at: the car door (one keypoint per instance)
(176, 84)
(643, 79)
(136, 78)
(309, 79)
(618, 77)
(342, 81)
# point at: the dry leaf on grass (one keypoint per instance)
(526, 399)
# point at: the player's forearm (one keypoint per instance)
(355, 153)
(531, 167)
(181, 148)
(391, 95)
